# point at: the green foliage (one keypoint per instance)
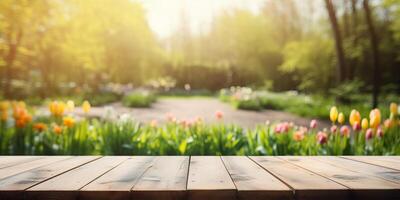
(315, 106)
(124, 137)
(139, 99)
(313, 61)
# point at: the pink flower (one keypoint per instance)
(356, 126)
(379, 132)
(322, 137)
(313, 124)
(345, 131)
(333, 129)
(369, 134)
(219, 115)
(282, 127)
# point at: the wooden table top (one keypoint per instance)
(199, 177)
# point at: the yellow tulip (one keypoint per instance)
(341, 118)
(57, 108)
(70, 105)
(355, 117)
(393, 108)
(333, 114)
(4, 105)
(86, 106)
(364, 124)
(4, 115)
(374, 118)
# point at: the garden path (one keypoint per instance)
(190, 108)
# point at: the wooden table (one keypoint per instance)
(199, 177)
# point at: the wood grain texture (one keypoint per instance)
(199, 177)
(306, 185)
(66, 186)
(254, 182)
(7, 161)
(117, 183)
(368, 169)
(31, 164)
(14, 186)
(392, 162)
(362, 185)
(167, 174)
(209, 179)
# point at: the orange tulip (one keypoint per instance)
(39, 127)
(68, 122)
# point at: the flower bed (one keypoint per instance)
(24, 132)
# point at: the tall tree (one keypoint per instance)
(338, 41)
(375, 53)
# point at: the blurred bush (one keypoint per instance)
(142, 98)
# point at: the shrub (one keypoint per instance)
(139, 99)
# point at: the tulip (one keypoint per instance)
(356, 126)
(389, 123)
(322, 137)
(333, 129)
(57, 108)
(355, 117)
(364, 124)
(70, 105)
(39, 127)
(341, 118)
(57, 129)
(345, 131)
(282, 127)
(333, 114)
(394, 108)
(298, 135)
(4, 115)
(68, 122)
(313, 124)
(369, 134)
(379, 132)
(374, 118)
(219, 115)
(86, 107)
(4, 105)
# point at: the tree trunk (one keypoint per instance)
(338, 41)
(375, 53)
(353, 61)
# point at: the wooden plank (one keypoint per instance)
(209, 179)
(67, 185)
(362, 186)
(166, 179)
(392, 162)
(8, 161)
(25, 166)
(306, 185)
(365, 168)
(117, 183)
(254, 182)
(13, 187)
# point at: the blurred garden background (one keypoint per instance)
(200, 77)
